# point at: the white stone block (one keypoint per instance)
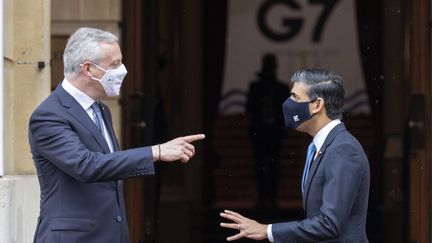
(19, 208)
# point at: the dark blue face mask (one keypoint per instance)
(295, 113)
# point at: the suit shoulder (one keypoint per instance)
(346, 137)
(346, 143)
(50, 105)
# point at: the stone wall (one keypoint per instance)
(19, 208)
(26, 42)
(29, 28)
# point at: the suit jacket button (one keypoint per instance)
(119, 219)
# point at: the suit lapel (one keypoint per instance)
(108, 122)
(76, 110)
(315, 164)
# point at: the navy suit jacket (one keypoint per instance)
(80, 180)
(336, 195)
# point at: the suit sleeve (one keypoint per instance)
(53, 140)
(343, 172)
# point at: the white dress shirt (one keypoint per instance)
(318, 141)
(86, 102)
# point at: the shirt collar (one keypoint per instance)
(84, 100)
(322, 134)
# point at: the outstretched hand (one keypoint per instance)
(180, 148)
(248, 228)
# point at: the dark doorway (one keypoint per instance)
(140, 105)
(175, 52)
(398, 172)
(161, 100)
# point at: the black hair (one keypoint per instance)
(323, 84)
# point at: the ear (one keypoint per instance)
(317, 106)
(85, 69)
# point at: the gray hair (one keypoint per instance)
(323, 84)
(84, 45)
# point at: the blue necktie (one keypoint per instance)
(97, 114)
(309, 158)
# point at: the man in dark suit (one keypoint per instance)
(336, 177)
(76, 153)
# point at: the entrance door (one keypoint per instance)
(138, 111)
(418, 26)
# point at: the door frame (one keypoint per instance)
(139, 34)
(419, 80)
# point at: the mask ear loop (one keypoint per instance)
(82, 66)
(91, 76)
(311, 101)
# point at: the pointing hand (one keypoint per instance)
(180, 148)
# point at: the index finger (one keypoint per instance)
(193, 138)
(234, 214)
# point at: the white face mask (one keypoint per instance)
(112, 80)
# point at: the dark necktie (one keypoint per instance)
(309, 158)
(97, 114)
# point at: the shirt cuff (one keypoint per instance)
(269, 233)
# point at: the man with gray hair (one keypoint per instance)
(76, 153)
(336, 176)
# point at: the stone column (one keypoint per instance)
(26, 82)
